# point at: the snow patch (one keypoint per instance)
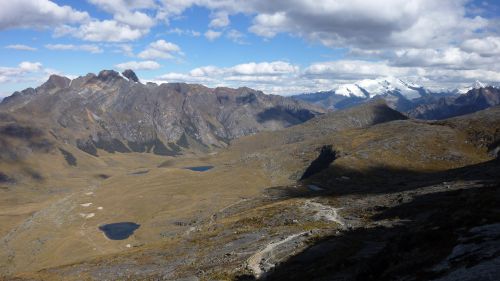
(87, 216)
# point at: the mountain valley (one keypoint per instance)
(233, 184)
(238, 140)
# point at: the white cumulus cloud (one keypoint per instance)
(262, 75)
(488, 46)
(70, 47)
(160, 49)
(20, 47)
(220, 19)
(138, 65)
(24, 72)
(37, 13)
(27, 66)
(128, 11)
(236, 36)
(211, 35)
(109, 31)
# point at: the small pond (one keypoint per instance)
(199, 168)
(119, 230)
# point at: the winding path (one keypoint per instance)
(259, 262)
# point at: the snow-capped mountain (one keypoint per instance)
(476, 85)
(369, 88)
(400, 94)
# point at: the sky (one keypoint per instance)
(278, 46)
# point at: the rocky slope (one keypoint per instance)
(117, 113)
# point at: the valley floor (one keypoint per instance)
(225, 224)
(57, 222)
(362, 194)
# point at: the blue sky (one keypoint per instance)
(280, 47)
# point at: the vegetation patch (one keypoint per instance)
(183, 141)
(174, 147)
(161, 149)
(18, 131)
(87, 146)
(111, 146)
(140, 147)
(5, 178)
(70, 158)
(250, 98)
(34, 174)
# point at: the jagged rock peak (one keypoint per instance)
(56, 81)
(130, 74)
(106, 75)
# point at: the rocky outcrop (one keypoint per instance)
(130, 74)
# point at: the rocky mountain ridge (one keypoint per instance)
(446, 107)
(116, 113)
(475, 85)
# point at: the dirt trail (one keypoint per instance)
(259, 263)
(324, 212)
(221, 211)
(265, 260)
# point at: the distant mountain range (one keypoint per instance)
(446, 107)
(116, 113)
(476, 85)
(415, 100)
